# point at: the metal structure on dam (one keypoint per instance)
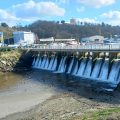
(94, 63)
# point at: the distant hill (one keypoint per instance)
(7, 32)
(45, 29)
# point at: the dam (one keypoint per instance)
(98, 64)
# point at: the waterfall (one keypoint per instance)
(88, 68)
(39, 64)
(43, 62)
(114, 71)
(33, 63)
(61, 61)
(75, 68)
(62, 65)
(82, 67)
(104, 70)
(46, 63)
(51, 63)
(118, 79)
(54, 65)
(36, 63)
(96, 68)
(99, 71)
(70, 66)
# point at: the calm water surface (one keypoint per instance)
(28, 79)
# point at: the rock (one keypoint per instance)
(4, 62)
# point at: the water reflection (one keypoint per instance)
(9, 80)
(13, 80)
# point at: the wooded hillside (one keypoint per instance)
(45, 29)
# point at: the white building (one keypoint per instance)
(73, 21)
(21, 37)
(64, 40)
(51, 39)
(93, 39)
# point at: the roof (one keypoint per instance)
(18, 32)
(47, 39)
(64, 39)
(93, 36)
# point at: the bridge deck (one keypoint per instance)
(78, 48)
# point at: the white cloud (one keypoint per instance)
(5, 16)
(81, 9)
(10, 19)
(33, 9)
(62, 1)
(111, 17)
(30, 11)
(97, 3)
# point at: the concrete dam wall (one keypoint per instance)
(100, 68)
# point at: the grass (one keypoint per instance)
(10, 54)
(3, 49)
(8, 59)
(105, 114)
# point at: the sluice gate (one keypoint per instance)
(97, 67)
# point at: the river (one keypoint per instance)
(22, 91)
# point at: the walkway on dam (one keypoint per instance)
(77, 48)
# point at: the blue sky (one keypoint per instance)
(15, 12)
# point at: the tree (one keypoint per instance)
(4, 24)
(57, 22)
(63, 21)
(45, 29)
(103, 24)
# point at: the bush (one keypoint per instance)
(3, 49)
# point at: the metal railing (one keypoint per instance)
(77, 47)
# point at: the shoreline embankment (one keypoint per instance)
(15, 60)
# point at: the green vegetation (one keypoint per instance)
(10, 54)
(45, 29)
(105, 114)
(8, 59)
(13, 60)
(7, 32)
(3, 49)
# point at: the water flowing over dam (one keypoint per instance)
(98, 70)
(101, 66)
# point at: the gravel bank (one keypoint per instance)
(70, 104)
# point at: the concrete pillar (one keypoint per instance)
(113, 56)
(118, 55)
(95, 55)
